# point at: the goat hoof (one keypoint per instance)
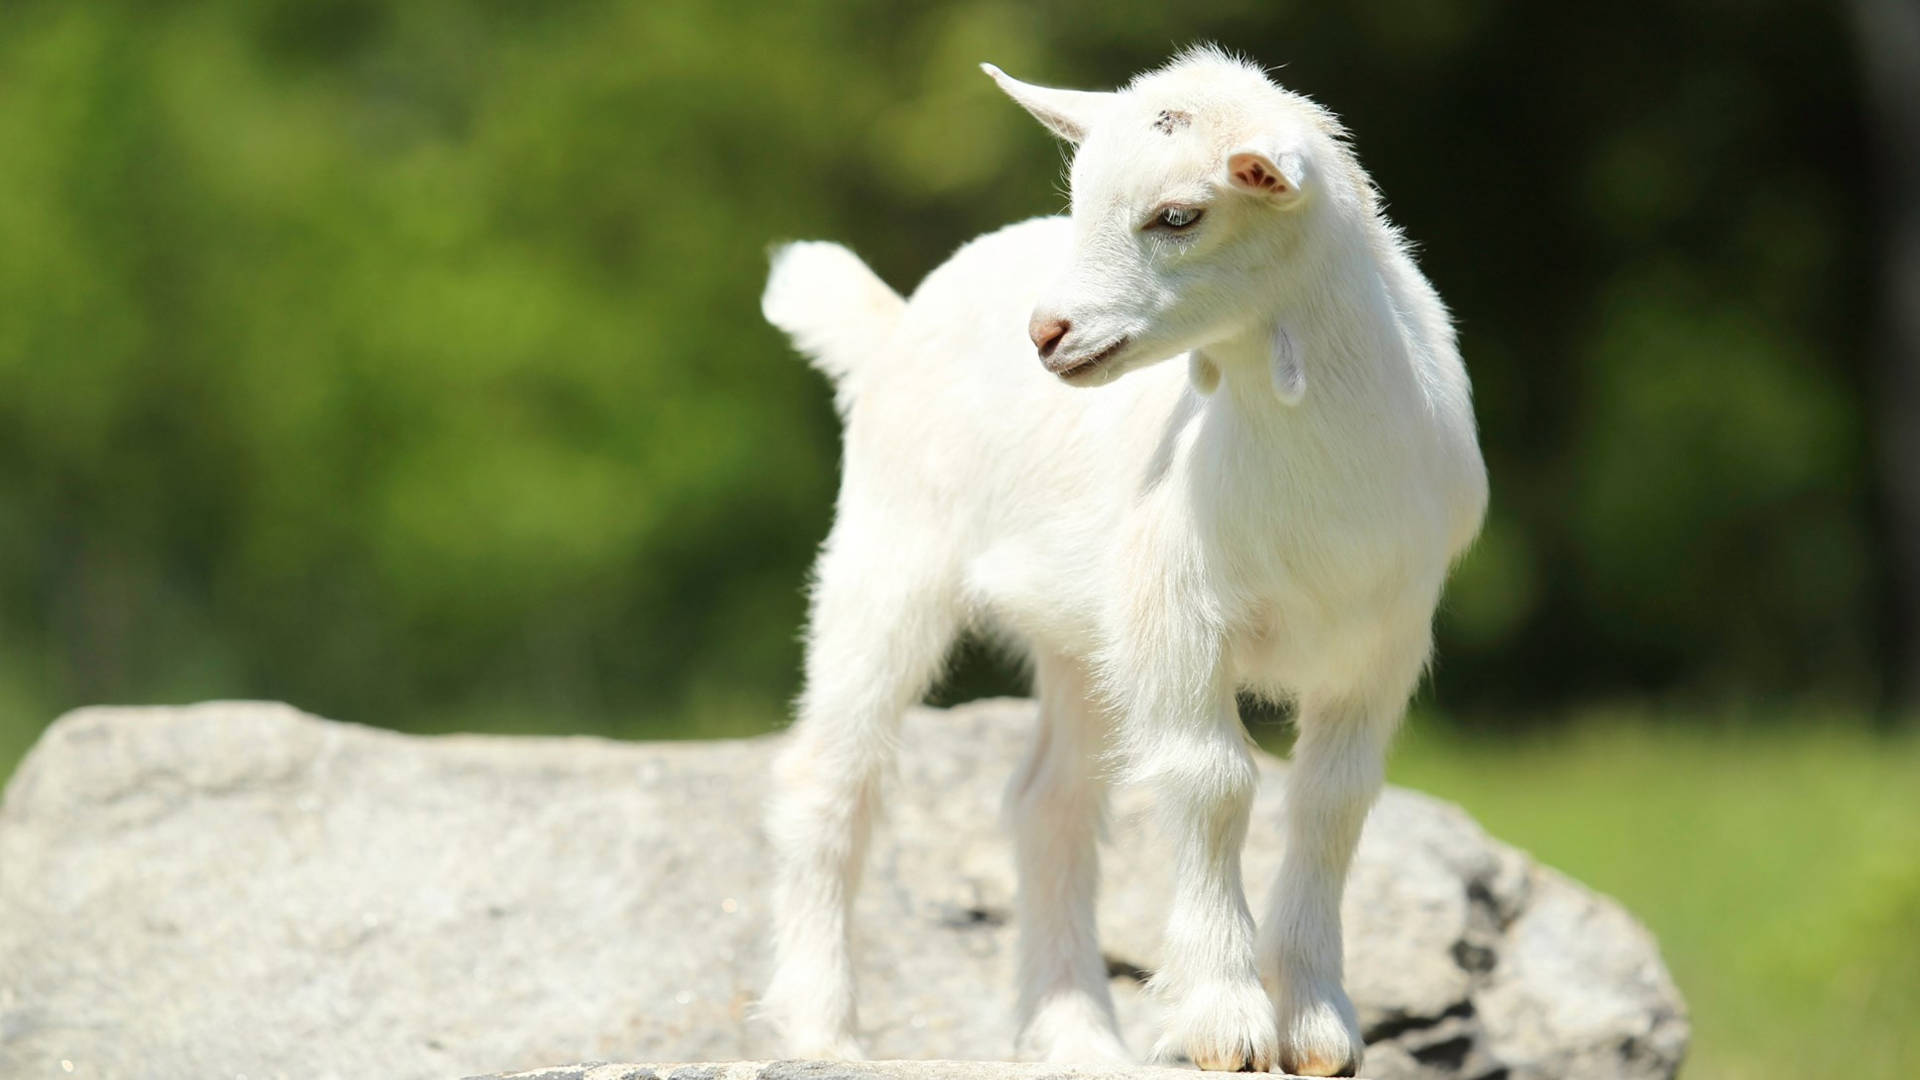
(1088, 1048)
(1320, 1035)
(1074, 1028)
(1225, 1027)
(1317, 1066)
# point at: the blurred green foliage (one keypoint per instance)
(403, 360)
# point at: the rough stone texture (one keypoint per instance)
(241, 889)
(848, 1070)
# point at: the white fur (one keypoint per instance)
(1276, 514)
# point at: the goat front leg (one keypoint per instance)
(1337, 770)
(1204, 781)
(1183, 738)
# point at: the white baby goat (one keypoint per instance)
(1275, 514)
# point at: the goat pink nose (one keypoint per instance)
(1046, 333)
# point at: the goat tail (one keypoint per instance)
(835, 309)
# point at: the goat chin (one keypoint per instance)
(1275, 511)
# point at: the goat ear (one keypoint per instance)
(1262, 168)
(1066, 113)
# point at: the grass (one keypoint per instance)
(1779, 865)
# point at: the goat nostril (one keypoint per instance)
(1047, 334)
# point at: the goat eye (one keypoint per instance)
(1177, 218)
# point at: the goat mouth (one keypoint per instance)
(1082, 367)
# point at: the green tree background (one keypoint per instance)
(403, 361)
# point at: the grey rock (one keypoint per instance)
(858, 1070)
(241, 889)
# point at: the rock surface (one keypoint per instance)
(846, 1070)
(241, 889)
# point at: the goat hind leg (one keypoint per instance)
(878, 634)
(1056, 804)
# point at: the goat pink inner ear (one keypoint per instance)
(1253, 172)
